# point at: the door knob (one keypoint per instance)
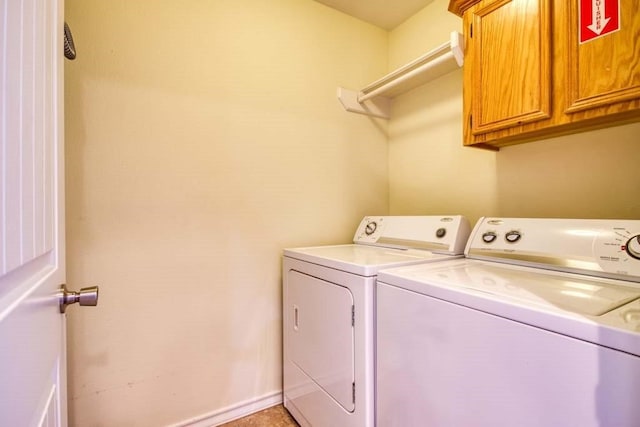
(86, 296)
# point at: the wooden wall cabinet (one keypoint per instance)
(527, 76)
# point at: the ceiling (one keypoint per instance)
(386, 14)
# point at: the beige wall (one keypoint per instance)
(590, 175)
(205, 136)
(430, 172)
(202, 138)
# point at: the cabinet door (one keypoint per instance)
(510, 70)
(604, 71)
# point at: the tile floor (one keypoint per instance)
(276, 416)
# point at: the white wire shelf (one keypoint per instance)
(375, 99)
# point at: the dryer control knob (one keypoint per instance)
(370, 228)
(633, 247)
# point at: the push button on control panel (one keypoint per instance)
(512, 236)
(489, 237)
(441, 232)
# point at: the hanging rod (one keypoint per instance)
(373, 100)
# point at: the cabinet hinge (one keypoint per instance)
(353, 392)
(470, 31)
(471, 120)
(353, 315)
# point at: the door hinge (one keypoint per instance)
(353, 315)
(353, 392)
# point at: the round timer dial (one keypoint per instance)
(618, 251)
(370, 228)
(633, 247)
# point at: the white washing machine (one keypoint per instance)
(329, 307)
(539, 326)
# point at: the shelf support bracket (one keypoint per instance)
(379, 107)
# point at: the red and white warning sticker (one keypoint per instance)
(598, 18)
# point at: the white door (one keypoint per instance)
(32, 330)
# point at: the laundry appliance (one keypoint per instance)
(538, 326)
(329, 307)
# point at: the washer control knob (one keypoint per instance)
(489, 237)
(370, 228)
(633, 247)
(441, 232)
(513, 236)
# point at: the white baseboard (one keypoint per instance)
(233, 412)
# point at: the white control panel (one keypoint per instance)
(446, 234)
(600, 247)
(369, 230)
(618, 249)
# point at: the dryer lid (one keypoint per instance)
(363, 260)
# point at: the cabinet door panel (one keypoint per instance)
(605, 70)
(511, 62)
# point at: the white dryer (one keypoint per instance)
(538, 327)
(329, 307)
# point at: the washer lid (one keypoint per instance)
(579, 295)
(363, 260)
(530, 287)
